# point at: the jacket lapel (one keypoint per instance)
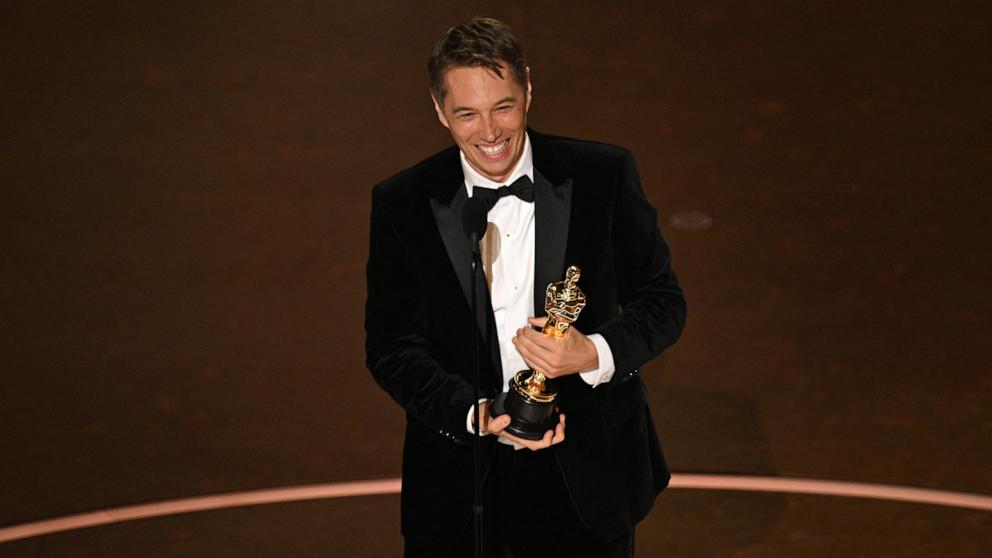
(552, 211)
(552, 215)
(447, 202)
(448, 214)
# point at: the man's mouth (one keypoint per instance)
(494, 151)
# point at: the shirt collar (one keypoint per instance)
(525, 166)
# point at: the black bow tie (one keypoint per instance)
(522, 187)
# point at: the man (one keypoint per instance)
(579, 490)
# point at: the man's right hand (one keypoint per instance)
(498, 426)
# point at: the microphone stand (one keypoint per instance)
(474, 222)
(477, 503)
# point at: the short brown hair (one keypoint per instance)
(479, 42)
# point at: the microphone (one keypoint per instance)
(474, 215)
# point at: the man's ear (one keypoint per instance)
(530, 90)
(440, 112)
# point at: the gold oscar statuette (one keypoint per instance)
(530, 401)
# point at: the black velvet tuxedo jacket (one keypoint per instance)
(590, 211)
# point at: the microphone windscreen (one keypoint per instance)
(474, 214)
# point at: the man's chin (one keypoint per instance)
(496, 174)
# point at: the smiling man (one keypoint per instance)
(580, 490)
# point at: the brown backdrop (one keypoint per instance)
(184, 213)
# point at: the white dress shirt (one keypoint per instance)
(508, 259)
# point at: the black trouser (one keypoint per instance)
(529, 514)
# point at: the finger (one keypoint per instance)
(546, 366)
(534, 359)
(532, 445)
(521, 341)
(538, 344)
(559, 436)
(498, 424)
(538, 363)
(539, 322)
(545, 441)
(516, 440)
(545, 341)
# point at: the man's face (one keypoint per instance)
(487, 117)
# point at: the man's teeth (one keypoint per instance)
(494, 150)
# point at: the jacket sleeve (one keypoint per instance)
(397, 346)
(653, 308)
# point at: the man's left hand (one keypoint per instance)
(555, 356)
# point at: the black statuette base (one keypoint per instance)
(528, 419)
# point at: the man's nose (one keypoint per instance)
(490, 131)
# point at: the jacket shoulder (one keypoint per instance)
(416, 181)
(579, 151)
(594, 166)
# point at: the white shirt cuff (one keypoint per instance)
(471, 415)
(606, 368)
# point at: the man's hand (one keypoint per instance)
(498, 425)
(553, 356)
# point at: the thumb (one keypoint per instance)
(540, 322)
(497, 424)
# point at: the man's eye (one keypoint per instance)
(465, 116)
(502, 109)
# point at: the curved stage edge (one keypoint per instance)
(682, 481)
